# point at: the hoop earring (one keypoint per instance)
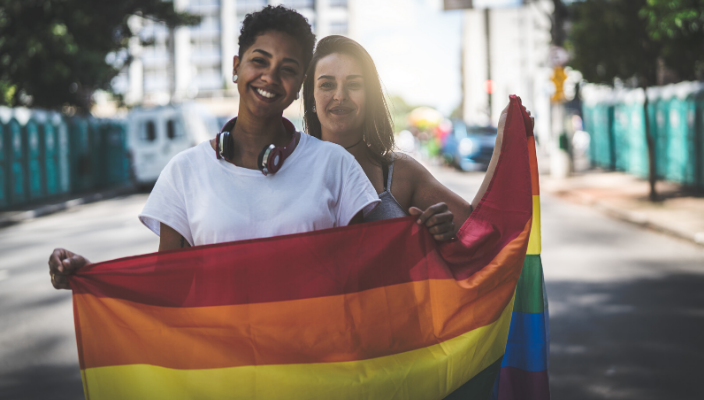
(313, 109)
(234, 78)
(364, 138)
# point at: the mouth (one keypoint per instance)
(339, 110)
(265, 95)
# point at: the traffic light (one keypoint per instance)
(558, 79)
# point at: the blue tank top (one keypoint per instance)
(389, 207)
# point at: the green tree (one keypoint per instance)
(399, 109)
(54, 52)
(678, 26)
(609, 39)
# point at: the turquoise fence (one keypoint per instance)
(46, 156)
(615, 120)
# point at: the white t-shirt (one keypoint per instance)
(207, 200)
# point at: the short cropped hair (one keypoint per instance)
(280, 19)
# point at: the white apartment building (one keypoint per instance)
(518, 51)
(196, 62)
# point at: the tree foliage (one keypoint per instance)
(609, 39)
(629, 38)
(56, 52)
(678, 25)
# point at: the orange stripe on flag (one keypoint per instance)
(355, 326)
(349, 327)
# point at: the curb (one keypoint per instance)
(633, 217)
(42, 210)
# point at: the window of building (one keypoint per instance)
(209, 77)
(197, 3)
(338, 28)
(156, 79)
(173, 129)
(295, 4)
(147, 131)
(247, 6)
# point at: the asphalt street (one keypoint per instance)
(626, 304)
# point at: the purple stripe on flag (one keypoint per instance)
(516, 384)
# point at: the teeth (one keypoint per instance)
(265, 93)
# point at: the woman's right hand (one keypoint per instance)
(63, 263)
(438, 219)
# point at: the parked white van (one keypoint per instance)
(157, 134)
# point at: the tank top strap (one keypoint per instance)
(391, 172)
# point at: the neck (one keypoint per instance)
(252, 133)
(351, 141)
(360, 151)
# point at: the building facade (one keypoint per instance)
(506, 51)
(196, 62)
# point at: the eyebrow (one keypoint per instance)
(267, 54)
(332, 77)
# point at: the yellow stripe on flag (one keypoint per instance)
(534, 241)
(409, 375)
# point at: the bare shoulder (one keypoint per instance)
(409, 168)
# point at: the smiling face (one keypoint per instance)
(339, 93)
(270, 74)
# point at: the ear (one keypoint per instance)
(235, 64)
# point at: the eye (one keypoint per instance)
(259, 61)
(356, 85)
(290, 70)
(327, 85)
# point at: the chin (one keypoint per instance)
(272, 110)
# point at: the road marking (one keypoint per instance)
(4, 274)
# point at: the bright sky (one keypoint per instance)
(416, 48)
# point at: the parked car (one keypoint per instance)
(469, 148)
(157, 134)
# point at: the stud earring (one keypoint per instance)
(314, 110)
(234, 78)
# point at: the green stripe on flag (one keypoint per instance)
(529, 291)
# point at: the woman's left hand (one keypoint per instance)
(438, 219)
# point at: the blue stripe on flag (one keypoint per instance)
(527, 347)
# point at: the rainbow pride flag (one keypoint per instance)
(373, 311)
(524, 368)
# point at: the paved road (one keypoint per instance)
(626, 305)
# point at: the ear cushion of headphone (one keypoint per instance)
(276, 160)
(226, 145)
(260, 159)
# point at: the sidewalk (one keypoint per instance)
(625, 197)
(8, 218)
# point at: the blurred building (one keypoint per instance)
(505, 50)
(196, 62)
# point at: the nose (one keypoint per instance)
(271, 76)
(340, 94)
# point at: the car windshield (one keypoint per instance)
(460, 130)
